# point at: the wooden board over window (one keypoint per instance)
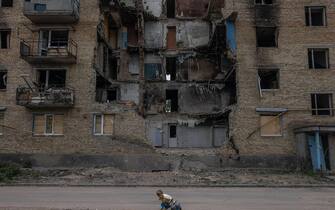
(108, 124)
(48, 124)
(271, 125)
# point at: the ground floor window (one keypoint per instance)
(48, 124)
(103, 124)
(271, 125)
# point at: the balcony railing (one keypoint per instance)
(49, 52)
(52, 11)
(52, 97)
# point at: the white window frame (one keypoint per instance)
(324, 15)
(45, 115)
(102, 125)
(326, 50)
(49, 37)
(316, 110)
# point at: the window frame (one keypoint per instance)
(11, 5)
(273, 115)
(277, 70)
(324, 16)
(8, 39)
(102, 133)
(47, 75)
(6, 82)
(45, 134)
(316, 109)
(49, 31)
(326, 50)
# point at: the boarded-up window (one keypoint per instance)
(108, 124)
(48, 124)
(171, 38)
(271, 125)
(103, 124)
(2, 122)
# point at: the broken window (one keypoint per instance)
(318, 58)
(113, 66)
(271, 125)
(6, 3)
(173, 131)
(54, 38)
(171, 66)
(269, 78)
(263, 2)
(2, 122)
(4, 39)
(3, 80)
(315, 16)
(171, 38)
(40, 7)
(48, 124)
(266, 36)
(171, 8)
(51, 78)
(171, 101)
(322, 104)
(103, 124)
(152, 71)
(112, 95)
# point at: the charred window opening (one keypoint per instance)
(51, 78)
(113, 67)
(4, 39)
(266, 36)
(112, 95)
(105, 93)
(318, 58)
(173, 131)
(171, 38)
(105, 59)
(315, 16)
(263, 2)
(171, 8)
(269, 78)
(322, 104)
(6, 3)
(3, 80)
(171, 67)
(171, 101)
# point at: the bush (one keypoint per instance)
(8, 171)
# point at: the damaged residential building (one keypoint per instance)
(247, 83)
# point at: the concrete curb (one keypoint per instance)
(169, 186)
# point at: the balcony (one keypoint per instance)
(50, 98)
(52, 11)
(40, 52)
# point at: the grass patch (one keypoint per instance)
(8, 171)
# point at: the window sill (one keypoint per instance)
(270, 90)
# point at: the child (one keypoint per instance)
(167, 201)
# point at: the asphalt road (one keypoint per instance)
(144, 198)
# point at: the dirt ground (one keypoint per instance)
(112, 176)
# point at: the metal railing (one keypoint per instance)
(50, 97)
(52, 48)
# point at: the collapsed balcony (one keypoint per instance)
(49, 98)
(52, 11)
(53, 52)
